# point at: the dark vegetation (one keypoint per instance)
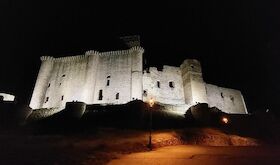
(136, 115)
(96, 134)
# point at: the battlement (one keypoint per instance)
(120, 52)
(191, 65)
(63, 59)
(166, 68)
(90, 53)
(117, 77)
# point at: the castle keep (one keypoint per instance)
(118, 77)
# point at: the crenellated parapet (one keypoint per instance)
(137, 48)
(71, 58)
(118, 52)
(63, 59)
(92, 52)
(47, 58)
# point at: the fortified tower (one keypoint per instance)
(133, 43)
(42, 82)
(137, 73)
(193, 84)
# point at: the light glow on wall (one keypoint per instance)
(225, 120)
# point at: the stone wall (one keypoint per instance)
(61, 80)
(7, 97)
(39, 92)
(113, 76)
(193, 83)
(94, 78)
(170, 89)
(42, 113)
(227, 100)
(117, 77)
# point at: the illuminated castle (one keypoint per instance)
(118, 77)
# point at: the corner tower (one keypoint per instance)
(41, 85)
(193, 84)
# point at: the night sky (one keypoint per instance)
(238, 43)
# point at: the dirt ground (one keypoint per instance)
(104, 145)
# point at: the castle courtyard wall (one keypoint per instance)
(164, 93)
(67, 81)
(227, 100)
(113, 76)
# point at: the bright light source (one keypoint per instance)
(151, 102)
(225, 120)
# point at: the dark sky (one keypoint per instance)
(238, 43)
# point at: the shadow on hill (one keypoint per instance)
(80, 118)
(13, 115)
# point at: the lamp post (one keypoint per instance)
(151, 103)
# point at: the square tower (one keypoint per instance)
(193, 83)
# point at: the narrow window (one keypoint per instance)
(108, 82)
(100, 95)
(117, 96)
(222, 95)
(62, 97)
(145, 93)
(63, 75)
(47, 99)
(171, 84)
(49, 85)
(158, 84)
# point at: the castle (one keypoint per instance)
(118, 77)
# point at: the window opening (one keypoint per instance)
(108, 82)
(232, 98)
(158, 84)
(145, 93)
(100, 96)
(171, 84)
(47, 99)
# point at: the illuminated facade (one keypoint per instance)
(118, 77)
